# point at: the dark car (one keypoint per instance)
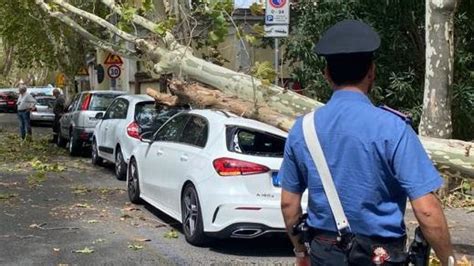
(8, 101)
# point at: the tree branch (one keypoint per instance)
(168, 39)
(96, 41)
(96, 19)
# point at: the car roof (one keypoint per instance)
(104, 92)
(228, 118)
(137, 98)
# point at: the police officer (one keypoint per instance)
(375, 158)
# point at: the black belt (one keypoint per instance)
(330, 236)
(23, 110)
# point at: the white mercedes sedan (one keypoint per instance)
(214, 172)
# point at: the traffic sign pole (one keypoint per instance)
(276, 61)
(277, 18)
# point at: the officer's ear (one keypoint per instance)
(371, 73)
(327, 75)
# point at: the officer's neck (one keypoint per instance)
(354, 88)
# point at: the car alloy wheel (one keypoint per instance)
(133, 186)
(192, 217)
(120, 165)
(71, 145)
(190, 212)
(74, 146)
(96, 160)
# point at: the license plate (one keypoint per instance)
(276, 180)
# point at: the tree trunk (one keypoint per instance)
(436, 116)
(8, 61)
(452, 157)
(245, 94)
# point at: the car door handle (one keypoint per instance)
(184, 158)
(159, 152)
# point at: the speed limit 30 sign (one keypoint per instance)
(114, 71)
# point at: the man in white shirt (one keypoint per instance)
(25, 104)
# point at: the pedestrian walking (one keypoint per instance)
(25, 104)
(370, 156)
(58, 110)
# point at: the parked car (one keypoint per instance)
(119, 129)
(43, 110)
(214, 172)
(78, 123)
(43, 90)
(8, 101)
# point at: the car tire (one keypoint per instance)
(61, 142)
(191, 214)
(133, 186)
(120, 165)
(95, 158)
(74, 146)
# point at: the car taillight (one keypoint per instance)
(86, 102)
(133, 130)
(232, 167)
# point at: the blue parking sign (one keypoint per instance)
(269, 18)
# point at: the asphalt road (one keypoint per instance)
(57, 216)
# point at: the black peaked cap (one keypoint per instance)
(348, 37)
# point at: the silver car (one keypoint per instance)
(44, 109)
(78, 123)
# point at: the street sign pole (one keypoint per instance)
(277, 65)
(277, 19)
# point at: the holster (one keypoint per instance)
(364, 250)
(361, 250)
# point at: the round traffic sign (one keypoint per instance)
(277, 3)
(114, 71)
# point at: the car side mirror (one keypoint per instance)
(99, 115)
(147, 137)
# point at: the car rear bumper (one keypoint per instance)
(246, 221)
(83, 134)
(44, 117)
(7, 108)
(246, 231)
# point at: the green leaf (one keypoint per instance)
(135, 247)
(256, 9)
(250, 38)
(466, 186)
(213, 36)
(264, 71)
(85, 250)
(171, 234)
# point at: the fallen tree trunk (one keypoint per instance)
(452, 157)
(201, 97)
(270, 104)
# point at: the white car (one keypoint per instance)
(214, 172)
(43, 109)
(119, 129)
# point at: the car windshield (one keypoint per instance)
(254, 142)
(45, 101)
(100, 102)
(150, 117)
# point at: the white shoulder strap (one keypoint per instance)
(314, 147)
